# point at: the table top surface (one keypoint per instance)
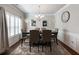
(40, 32)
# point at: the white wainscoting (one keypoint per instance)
(70, 39)
(14, 39)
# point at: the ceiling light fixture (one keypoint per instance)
(39, 16)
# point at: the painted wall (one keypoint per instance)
(69, 32)
(12, 9)
(48, 17)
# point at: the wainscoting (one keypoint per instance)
(73, 52)
(14, 39)
(12, 48)
(70, 39)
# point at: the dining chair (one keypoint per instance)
(46, 39)
(37, 29)
(55, 36)
(24, 37)
(43, 28)
(34, 39)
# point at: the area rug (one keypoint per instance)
(24, 50)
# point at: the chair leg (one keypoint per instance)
(50, 47)
(21, 42)
(45, 46)
(56, 41)
(30, 48)
(42, 48)
(38, 48)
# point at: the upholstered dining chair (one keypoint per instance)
(43, 28)
(46, 39)
(37, 29)
(34, 39)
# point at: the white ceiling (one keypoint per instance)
(43, 9)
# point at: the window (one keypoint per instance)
(8, 23)
(19, 25)
(16, 25)
(13, 24)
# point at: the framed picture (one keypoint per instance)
(33, 23)
(44, 23)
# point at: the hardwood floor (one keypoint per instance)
(23, 49)
(69, 49)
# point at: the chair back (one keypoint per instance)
(37, 29)
(46, 35)
(34, 36)
(43, 28)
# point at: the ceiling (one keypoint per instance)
(40, 8)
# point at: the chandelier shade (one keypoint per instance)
(39, 15)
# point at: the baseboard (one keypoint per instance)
(11, 48)
(68, 48)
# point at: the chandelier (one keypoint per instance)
(39, 15)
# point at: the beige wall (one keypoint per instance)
(12, 9)
(69, 32)
(48, 17)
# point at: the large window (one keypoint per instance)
(20, 25)
(16, 25)
(13, 24)
(8, 23)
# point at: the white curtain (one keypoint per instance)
(3, 31)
